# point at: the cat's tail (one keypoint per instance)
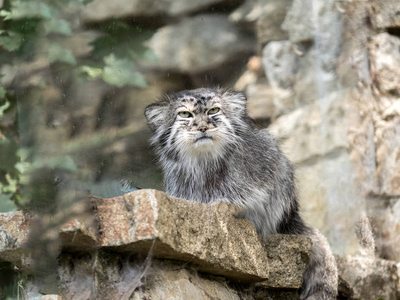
(320, 280)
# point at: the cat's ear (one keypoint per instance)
(156, 114)
(237, 100)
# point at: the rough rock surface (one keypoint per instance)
(314, 137)
(307, 20)
(320, 203)
(385, 64)
(142, 276)
(280, 63)
(371, 278)
(298, 22)
(317, 23)
(172, 283)
(386, 13)
(286, 250)
(384, 216)
(51, 297)
(269, 23)
(385, 60)
(172, 228)
(266, 102)
(14, 233)
(247, 13)
(313, 130)
(196, 50)
(266, 16)
(183, 230)
(125, 250)
(388, 156)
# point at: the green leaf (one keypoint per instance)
(22, 167)
(121, 40)
(144, 55)
(28, 9)
(138, 80)
(5, 14)
(12, 41)
(57, 26)
(24, 153)
(120, 72)
(4, 106)
(2, 96)
(91, 72)
(12, 185)
(65, 163)
(6, 204)
(57, 53)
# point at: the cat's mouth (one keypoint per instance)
(203, 138)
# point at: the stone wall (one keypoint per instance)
(321, 75)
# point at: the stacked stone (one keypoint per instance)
(148, 245)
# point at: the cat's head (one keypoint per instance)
(197, 122)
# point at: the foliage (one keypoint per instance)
(114, 54)
(12, 282)
(8, 184)
(35, 30)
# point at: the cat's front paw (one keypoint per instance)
(222, 205)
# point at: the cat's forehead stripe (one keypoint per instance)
(195, 107)
(187, 107)
(199, 100)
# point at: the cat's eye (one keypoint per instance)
(185, 114)
(213, 111)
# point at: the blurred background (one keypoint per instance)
(323, 76)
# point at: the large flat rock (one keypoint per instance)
(208, 236)
(148, 225)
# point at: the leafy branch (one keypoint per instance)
(34, 30)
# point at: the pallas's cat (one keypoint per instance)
(210, 150)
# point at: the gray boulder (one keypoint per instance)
(280, 63)
(199, 44)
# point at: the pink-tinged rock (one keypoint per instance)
(51, 297)
(385, 62)
(386, 13)
(209, 236)
(14, 233)
(80, 231)
(387, 136)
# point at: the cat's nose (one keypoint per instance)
(203, 128)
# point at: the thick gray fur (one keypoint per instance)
(222, 156)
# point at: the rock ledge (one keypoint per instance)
(147, 234)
